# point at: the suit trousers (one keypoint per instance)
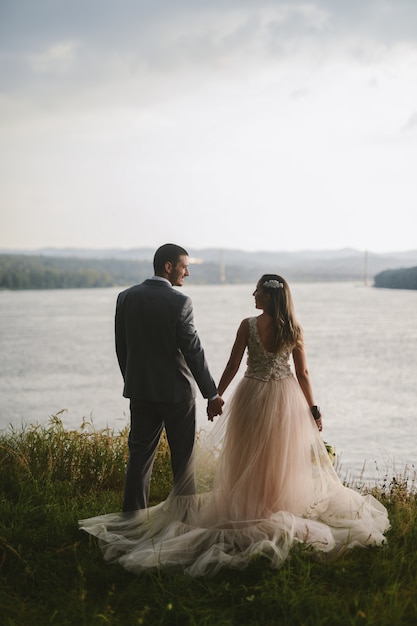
(147, 421)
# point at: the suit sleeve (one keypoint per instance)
(120, 337)
(190, 346)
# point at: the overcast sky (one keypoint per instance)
(212, 123)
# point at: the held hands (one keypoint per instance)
(214, 407)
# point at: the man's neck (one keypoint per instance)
(156, 277)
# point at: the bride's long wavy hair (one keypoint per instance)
(288, 332)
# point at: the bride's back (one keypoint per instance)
(266, 331)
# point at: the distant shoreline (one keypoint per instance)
(208, 267)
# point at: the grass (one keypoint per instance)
(51, 573)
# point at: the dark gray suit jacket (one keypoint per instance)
(157, 346)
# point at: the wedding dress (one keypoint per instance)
(274, 486)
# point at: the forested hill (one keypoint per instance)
(405, 278)
(39, 272)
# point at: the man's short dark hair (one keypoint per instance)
(168, 252)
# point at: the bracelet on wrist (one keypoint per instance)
(315, 412)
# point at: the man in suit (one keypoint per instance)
(160, 357)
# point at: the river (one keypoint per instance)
(57, 354)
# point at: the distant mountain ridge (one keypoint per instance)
(343, 264)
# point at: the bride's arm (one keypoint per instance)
(235, 358)
(303, 377)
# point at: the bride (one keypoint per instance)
(274, 484)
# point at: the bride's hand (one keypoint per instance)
(214, 407)
(319, 424)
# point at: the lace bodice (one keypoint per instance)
(261, 364)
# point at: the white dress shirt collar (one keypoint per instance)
(161, 278)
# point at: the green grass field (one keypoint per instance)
(51, 573)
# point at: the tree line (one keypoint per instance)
(39, 272)
(20, 271)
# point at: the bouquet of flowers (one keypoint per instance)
(330, 451)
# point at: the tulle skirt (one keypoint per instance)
(271, 485)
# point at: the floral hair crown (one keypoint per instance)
(274, 284)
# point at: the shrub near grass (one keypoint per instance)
(51, 573)
(89, 460)
(39, 455)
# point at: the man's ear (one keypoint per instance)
(168, 267)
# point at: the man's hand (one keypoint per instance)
(214, 407)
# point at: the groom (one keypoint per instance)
(160, 356)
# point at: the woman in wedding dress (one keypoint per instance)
(274, 484)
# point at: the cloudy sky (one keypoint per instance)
(250, 124)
